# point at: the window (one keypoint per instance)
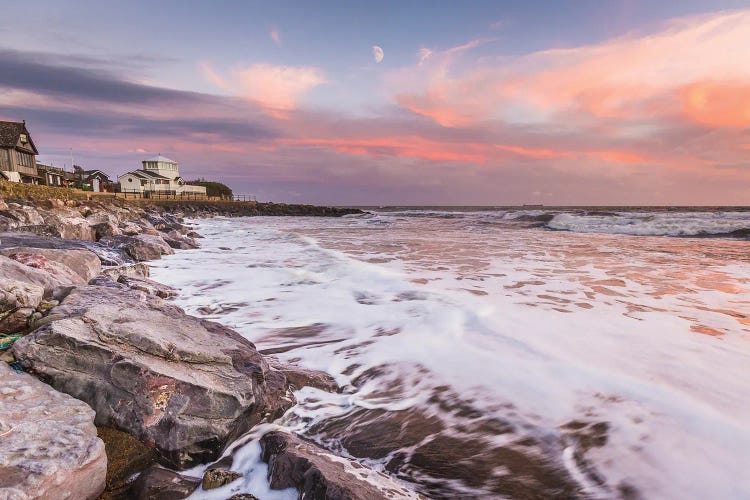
(130, 179)
(24, 139)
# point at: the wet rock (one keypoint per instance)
(140, 247)
(138, 270)
(424, 445)
(243, 496)
(49, 444)
(149, 286)
(303, 377)
(216, 478)
(126, 456)
(182, 385)
(317, 473)
(177, 240)
(156, 483)
(83, 262)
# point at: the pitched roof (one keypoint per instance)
(89, 173)
(145, 174)
(10, 132)
(161, 158)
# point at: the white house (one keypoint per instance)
(159, 175)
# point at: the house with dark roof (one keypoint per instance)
(159, 176)
(17, 153)
(91, 180)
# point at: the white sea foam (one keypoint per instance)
(654, 223)
(563, 326)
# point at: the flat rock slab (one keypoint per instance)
(318, 474)
(181, 385)
(48, 442)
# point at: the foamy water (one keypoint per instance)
(483, 358)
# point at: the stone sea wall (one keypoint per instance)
(19, 190)
(109, 388)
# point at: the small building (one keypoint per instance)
(89, 180)
(50, 176)
(98, 181)
(159, 176)
(17, 153)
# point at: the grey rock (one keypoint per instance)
(138, 269)
(182, 385)
(107, 255)
(49, 444)
(149, 286)
(303, 377)
(156, 483)
(83, 262)
(319, 474)
(50, 276)
(140, 247)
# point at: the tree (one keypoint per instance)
(213, 188)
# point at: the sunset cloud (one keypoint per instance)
(275, 36)
(695, 69)
(276, 89)
(647, 117)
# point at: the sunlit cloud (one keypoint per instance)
(277, 89)
(694, 69)
(424, 54)
(275, 36)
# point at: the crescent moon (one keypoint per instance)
(377, 53)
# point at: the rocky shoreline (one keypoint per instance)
(108, 389)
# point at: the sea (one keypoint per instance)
(525, 352)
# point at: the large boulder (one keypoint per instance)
(22, 214)
(139, 247)
(18, 301)
(83, 262)
(55, 269)
(49, 448)
(60, 275)
(108, 256)
(316, 473)
(182, 385)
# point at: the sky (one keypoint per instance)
(442, 102)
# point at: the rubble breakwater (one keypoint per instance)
(95, 357)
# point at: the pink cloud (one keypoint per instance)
(659, 76)
(275, 36)
(277, 89)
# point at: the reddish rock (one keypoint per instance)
(182, 385)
